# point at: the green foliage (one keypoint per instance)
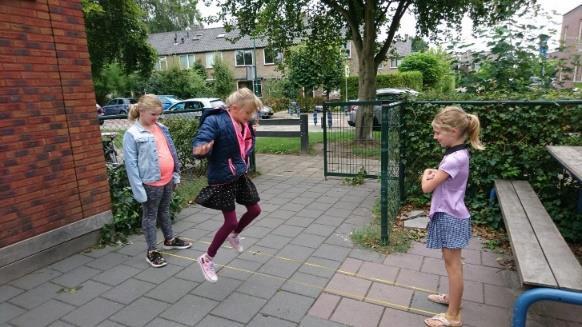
(184, 83)
(126, 211)
(412, 80)
(224, 82)
(274, 94)
(115, 82)
(116, 33)
(515, 137)
(183, 131)
(170, 15)
(357, 179)
(435, 67)
(419, 45)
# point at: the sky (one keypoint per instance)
(408, 22)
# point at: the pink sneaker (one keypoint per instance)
(235, 242)
(207, 267)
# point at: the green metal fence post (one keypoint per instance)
(324, 126)
(384, 237)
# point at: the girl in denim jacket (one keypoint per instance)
(153, 170)
(226, 138)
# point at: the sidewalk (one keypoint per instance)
(299, 268)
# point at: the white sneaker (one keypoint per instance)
(207, 267)
(234, 241)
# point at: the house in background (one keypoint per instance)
(185, 48)
(571, 52)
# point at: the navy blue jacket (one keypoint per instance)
(224, 159)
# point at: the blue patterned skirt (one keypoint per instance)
(446, 231)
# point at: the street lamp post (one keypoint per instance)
(255, 78)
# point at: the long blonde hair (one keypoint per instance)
(468, 124)
(147, 101)
(242, 97)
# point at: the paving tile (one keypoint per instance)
(357, 314)
(92, 313)
(7, 292)
(36, 296)
(288, 231)
(261, 286)
(191, 273)
(420, 302)
(490, 259)
(268, 222)
(212, 321)
(134, 249)
(305, 284)
(262, 320)
(36, 278)
(85, 293)
(331, 252)
(339, 212)
(421, 249)
(300, 221)
(288, 306)
(318, 229)
(279, 267)
(159, 322)
(330, 220)
(240, 269)
(471, 256)
(348, 286)
(9, 311)
(282, 214)
(43, 315)
(340, 239)
(559, 310)
(239, 307)
(416, 279)
(310, 213)
(274, 241)
(433, 266)
(158, 275)
(324, 305)
(481, 315)
(60, 323)
(257, 231)
(128, 291)
(473, 291)
(404, 260)
(171, 290)
(139, 312)
(109, 323)
(76, 276)
(183, 312)
(292, 207)
(320, 267)
(312, 321)
(309, 240)
(258, 253)
(71, 263)
(390, 296)
(499, 296)
(108, 261)
(401, 317)
(217, 291)
(378, 272)
(350, 266)
(116, 275)
(295, 252)
(483, 274)
(367, 255)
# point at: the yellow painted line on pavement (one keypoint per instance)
(343, 272)
(324, 289)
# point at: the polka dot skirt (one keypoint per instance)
(223, 196)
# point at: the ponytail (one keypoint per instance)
(133, 113)
(473, 130)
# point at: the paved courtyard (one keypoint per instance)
(299, 268)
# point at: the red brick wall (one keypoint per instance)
(52, 170)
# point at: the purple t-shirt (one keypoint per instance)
(449, 196)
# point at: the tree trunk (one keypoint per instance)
(366, 90)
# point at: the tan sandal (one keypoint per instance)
(440, 320)
(439, 298)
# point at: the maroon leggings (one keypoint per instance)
(231, 225)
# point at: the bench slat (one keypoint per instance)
(526, 249)
(564, 265)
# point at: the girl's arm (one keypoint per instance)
(204, 140)
(432, 178)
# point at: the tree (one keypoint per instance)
(113, 81)
(183, 83)
(419, 45)
(170, 15)
(284, 21)
(116, 33)
(434, 65)
(224, 82)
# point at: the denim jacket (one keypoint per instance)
(141, 158)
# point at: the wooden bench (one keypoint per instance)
(542, 256)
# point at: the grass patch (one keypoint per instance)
(369, 236)
(189, 188)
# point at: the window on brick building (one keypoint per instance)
(244, 57)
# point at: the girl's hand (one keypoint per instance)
(429, 174)
(202, 149)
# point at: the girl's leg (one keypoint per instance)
(253, 211)
(150, 214)
(229, 225)
(455, 273)
(164, 211)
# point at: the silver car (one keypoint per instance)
(387, 94)
(197, 103)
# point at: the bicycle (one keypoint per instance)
(111, 156)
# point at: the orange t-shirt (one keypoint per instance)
(164, 157)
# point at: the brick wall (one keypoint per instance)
(52, 170)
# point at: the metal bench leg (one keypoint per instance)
(527, 298)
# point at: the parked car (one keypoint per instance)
(265, 112)
(99, 113)
(167, 100)
(197, 103)
(118, 106)
(387, 94)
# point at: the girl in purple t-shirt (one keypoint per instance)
(449, 228)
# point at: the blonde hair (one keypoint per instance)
(468, 124)
(147, 101)
(242, 97)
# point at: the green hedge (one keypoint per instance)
(412, 80)
(515, 136)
